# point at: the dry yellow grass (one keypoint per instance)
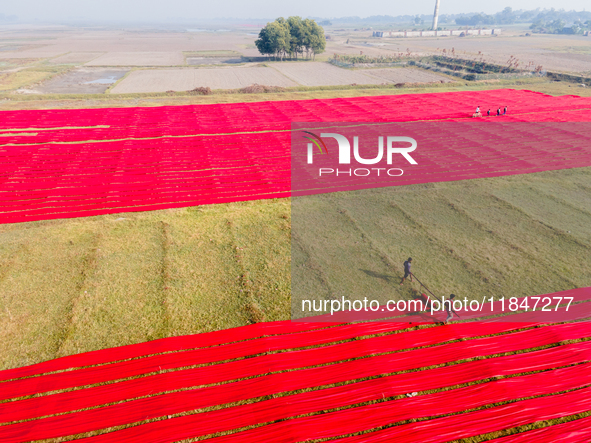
(163, 58)
(69, 286)
(18, 79)
(56, 101)
(310, 73)
(185, 79)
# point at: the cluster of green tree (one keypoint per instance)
(475, 20)
(562, 22)
(506, 16)
(567, 16)
(291, 37)
(559, 26)
(543, 21)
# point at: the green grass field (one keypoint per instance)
(75, 285)
(503, 237)
(69, 286)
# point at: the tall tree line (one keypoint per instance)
(291, 37)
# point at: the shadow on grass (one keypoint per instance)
(386, 278)
(414, 294)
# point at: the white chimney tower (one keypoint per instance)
(436, 15)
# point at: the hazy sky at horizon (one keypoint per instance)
(154, 10)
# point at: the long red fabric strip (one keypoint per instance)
(576, 431)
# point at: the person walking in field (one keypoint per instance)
(488, 112)
(450, 311)
(407, 272)
(498, 111)
(505, 111)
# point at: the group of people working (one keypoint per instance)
(478, 113)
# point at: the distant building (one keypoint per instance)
(457, 32)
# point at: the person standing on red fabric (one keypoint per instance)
(407, 272)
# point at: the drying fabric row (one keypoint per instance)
(342, 422)
(73, 180)
(154, 383)
(119, 123)
(289, 370)
(362, 418)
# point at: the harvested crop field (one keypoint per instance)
(82, 81)
(406, 75)
(323, 74)
(15, 78)
(278, 74)
(537, 48)
(171, 58)
(75, 57)
(37, 52)
(214, 60)
(162, 80)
